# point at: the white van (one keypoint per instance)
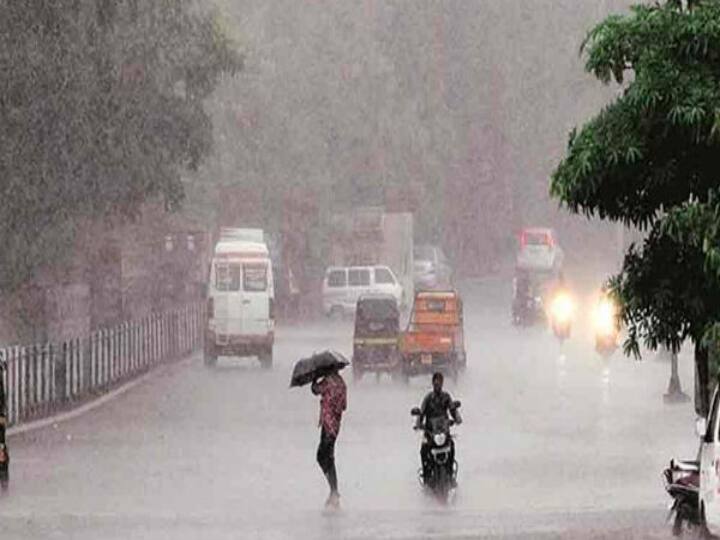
(241, 295)
(343, 285)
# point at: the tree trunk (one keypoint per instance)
(702, 379)
(674, 393)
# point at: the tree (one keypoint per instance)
(101, 109)
(651, 159)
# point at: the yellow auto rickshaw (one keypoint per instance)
(375, 342)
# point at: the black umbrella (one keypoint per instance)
(318, 365)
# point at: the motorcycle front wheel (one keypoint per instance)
(442, 485)
(677, 526)
(686, 520)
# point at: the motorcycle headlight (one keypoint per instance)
(562, 308)
(439, 439)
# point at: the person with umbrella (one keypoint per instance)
(324, 371)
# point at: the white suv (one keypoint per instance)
(343, 285)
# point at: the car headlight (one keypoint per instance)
(439, 439)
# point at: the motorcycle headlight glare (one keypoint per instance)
(605, 318)
(439, 439)
(562, 308)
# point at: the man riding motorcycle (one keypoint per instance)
(528, 297)
(437, 405)
(522, 297)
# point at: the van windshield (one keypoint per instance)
(227, 277)
(255, 277)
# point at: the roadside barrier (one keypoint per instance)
(43, 379)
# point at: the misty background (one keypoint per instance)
(456, 110)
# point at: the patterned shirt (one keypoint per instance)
(333, 401)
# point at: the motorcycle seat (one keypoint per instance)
(685, 465)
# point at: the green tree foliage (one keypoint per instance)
(652, 159)
(101, 108)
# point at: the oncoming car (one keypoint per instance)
(431, 268)
(539, 251)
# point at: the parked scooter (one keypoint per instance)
(682, 482)
(442, 469)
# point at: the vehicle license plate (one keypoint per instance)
(426, 359)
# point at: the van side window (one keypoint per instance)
(359, 277)
(383, 276)
(227, 277)
(336, 278)
(255, 277)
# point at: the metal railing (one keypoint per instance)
(43, 379)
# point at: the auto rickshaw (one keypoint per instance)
(375, 343)
(4, 455)
(434, 340)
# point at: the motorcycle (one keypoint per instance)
(606, 328)
(529, 312)
(606, 345)
(442, 467)
(561, 313)
(682, 483)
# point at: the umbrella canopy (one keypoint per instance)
(316, 366)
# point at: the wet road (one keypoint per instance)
(556, 443)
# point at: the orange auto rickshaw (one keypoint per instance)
(434, 339)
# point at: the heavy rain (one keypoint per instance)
(359, 269)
